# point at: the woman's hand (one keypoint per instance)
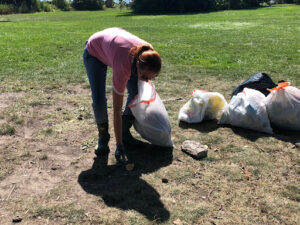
(120, 154)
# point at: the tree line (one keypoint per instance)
(181, 6)
(138, 6)
(27, 6)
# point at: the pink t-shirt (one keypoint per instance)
(111, 46)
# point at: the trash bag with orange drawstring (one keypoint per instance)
(151, 117)
(283, 106)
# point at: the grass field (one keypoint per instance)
(47, 135)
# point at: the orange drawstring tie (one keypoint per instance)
(280, 86)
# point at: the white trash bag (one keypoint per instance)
(202, 106)
(247, 110)
(151, 117)
(283, 106)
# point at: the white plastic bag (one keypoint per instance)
(283, 106)
(247, 109)
(151, 117)
(203, 105)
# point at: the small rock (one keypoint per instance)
(222, 212)
(16, 219)
(194, 149)
(129, 166)
(177, 222)
(164, 180)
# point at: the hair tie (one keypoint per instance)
(143, 49)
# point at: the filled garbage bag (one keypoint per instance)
(202, 106)
(260, 82)
(283, 106)
(151, 117)
(247, 109)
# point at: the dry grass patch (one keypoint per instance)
(49, 174)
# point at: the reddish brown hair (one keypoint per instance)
(148, 58)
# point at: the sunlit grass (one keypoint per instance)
(247, 178)
(45, 49)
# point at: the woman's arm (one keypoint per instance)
(117, 106)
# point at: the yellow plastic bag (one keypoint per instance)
(203, 105)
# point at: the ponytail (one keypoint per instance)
(146, 56)
(136, 51)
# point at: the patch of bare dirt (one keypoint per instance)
(42, 163)
(52, 154)
(9, 98)
(36, 164)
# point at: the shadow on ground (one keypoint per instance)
(205, 126)
(287, 135)
(212, 125)
(125, 189)
(280, 134)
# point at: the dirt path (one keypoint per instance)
(44, 152)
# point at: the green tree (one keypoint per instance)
(122, 4)
(87, 4)
(24, 5)
(180, 6)
(61, 4)
(175, 6)
(109, 3)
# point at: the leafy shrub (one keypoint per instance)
(285, 1)
(26, 6)
(87, 4)
(109, 3)
(243, 4)
(62, 4)
(6, 8)
(221, 4)
(175, 6)
(251, 3)
(235, 4)
(46, 7)
(30, 6)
